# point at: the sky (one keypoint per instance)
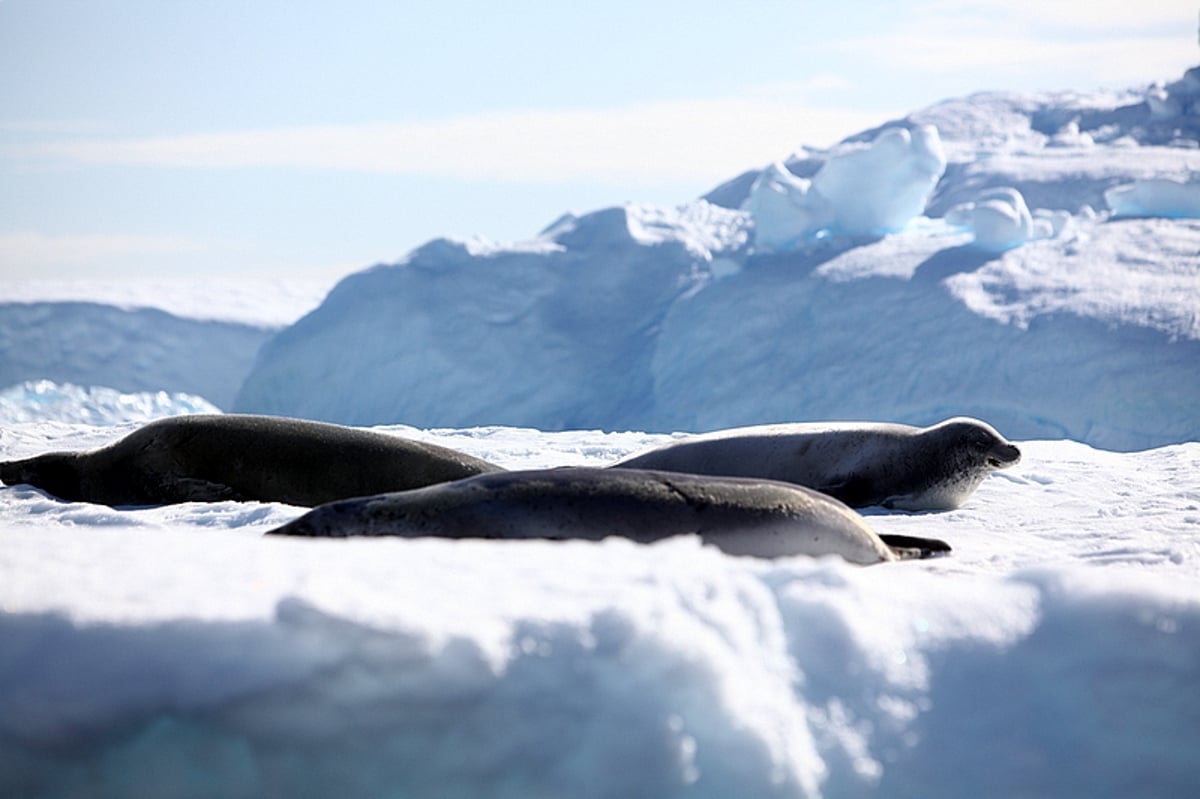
(142, 137)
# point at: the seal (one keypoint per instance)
(212, 458)
(762, 518)
(860, 463)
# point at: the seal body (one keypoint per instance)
(210, 458)
(862, 464)
(739, 516)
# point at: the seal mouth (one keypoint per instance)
(1004, 455)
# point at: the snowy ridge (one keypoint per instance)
(189, 653)
(46, 401)
(814, 289)
(778, 297)
(266, 302)
(136, 350)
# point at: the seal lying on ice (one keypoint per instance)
(739, 516)
(860, 463)
(211, 458)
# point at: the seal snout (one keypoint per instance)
(1003, 455)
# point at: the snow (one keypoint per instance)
(607, 331)
(177, 651)
(256, 301)
(866, 191)
(1012, 287)
(1000, 220)
(842, 284)
(45, 400)
(142, 349)
(1156, 197)
(879, 189)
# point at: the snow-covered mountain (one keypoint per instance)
(813, 289)
(179, 335)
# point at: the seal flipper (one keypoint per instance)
(196, 489)
(12, 473)
(853, 490)
(908, 547)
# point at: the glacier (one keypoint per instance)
(960, 260)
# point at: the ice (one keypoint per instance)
(45, 400)
(177, 651)
(610, 331)
(864, 192)
(785, 213)
(1171, 199)
(1007, 292)
(130, 350)
(1000, 220)
(881, 188)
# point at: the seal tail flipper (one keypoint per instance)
(908, 547)
(12, 473)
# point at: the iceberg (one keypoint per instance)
(1161, 197)
(865, 192)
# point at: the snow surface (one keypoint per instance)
(814, 289)
(869, 191)
(1156, 197)
(1019, 296)
(264, 302)
(129, 350)
(45, 400)
(176, 651)
(194, 335)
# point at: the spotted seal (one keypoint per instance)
(860, 463)
(761, 518)
(210, 458)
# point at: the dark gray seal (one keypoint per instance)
(249, 458)
(860, 463)
(741, 517)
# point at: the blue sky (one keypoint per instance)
(168, 136)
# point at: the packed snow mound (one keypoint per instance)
(1000, 220)
(1060, 150)
(176, 651)
(46, 401)
(1092, 334)
(879, 189)
(813, 289)
(861, 192)
(1153, 284)
(1170, 199)
(129, 350)
(252, 300)
(556, 334)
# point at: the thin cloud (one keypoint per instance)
(27, 251)
(636, 145)
(1126, 61)
(1104, 59)
(1116, 15)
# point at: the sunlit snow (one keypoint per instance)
(1048, 283)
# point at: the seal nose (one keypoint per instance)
(1004, 455)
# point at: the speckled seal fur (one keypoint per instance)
(210, 458)
(860, 463)
(760, 518)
